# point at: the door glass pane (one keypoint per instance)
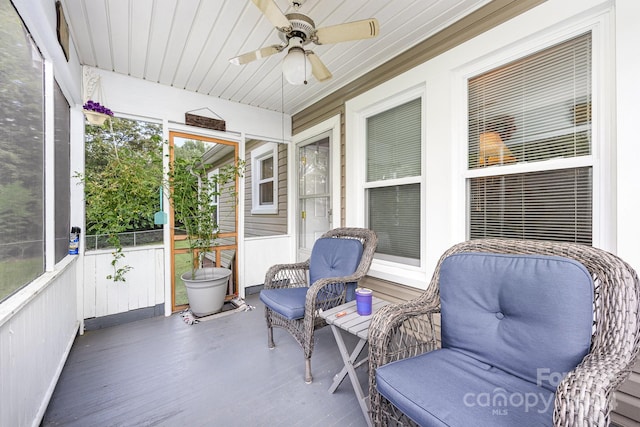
(314, 188)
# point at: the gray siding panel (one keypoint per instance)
(262, 224)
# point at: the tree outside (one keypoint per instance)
(123, 177)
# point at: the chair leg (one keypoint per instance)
(307, 371)
(270, 342)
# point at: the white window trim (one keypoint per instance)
(356, 182)
(330, 127)
(601, 159)
(216, 201)
(257, 156)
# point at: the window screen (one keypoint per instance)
(62, 175)
(22, 153)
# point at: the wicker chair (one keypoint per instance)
(292, 303)
(584, 396)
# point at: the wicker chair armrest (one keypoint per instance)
(585, 395)
(330, 298)
(287, 275)
(399, 331)
(325, 294)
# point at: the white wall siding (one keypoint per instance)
(35, 339)
(260, 253)
(144, 285)
(142, 98)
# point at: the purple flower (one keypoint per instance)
(95, 106)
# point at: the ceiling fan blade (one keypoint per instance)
(256, 54)
(319, 70)
(356, 30)
(273, 13)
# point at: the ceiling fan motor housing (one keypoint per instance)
(302, 27)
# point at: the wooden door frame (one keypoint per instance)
(172, 237)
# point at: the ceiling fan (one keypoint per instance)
(296, 30)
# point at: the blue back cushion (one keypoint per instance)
(335, 257)
(528, 315)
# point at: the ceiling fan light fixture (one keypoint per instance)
(296, 67)
(297, 30)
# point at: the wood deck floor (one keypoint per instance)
(164, 372)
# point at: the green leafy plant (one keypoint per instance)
(193, 192)
(122, 174)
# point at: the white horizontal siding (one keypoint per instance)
(260, 253)
(35, 340)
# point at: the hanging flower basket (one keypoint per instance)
(96, 114)
(94, 118)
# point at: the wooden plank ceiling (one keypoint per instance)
(188, 43)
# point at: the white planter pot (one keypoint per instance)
(206, 291)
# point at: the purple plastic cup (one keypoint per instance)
(364, 299)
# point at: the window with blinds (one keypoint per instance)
(393, 171)
(534, 111)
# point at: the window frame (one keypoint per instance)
(216, 199)
(62, 180)
(258, 156)
(601, 159)
(357, 185)
(375, 184)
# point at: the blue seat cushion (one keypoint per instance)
(448, 388)
(330, 257)
(335, 257)
(289, 302)
(527, 315)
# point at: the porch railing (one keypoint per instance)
(129, 239)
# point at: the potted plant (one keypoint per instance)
(193, 191)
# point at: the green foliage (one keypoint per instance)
(193, 193)
(16, 203)
(123, 172)
(21, 144)
(14, 271)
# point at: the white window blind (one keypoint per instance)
(393, 181)
(534, 110)
(393, 142)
